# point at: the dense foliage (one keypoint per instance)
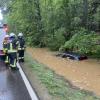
(52, 22)
(83, 42)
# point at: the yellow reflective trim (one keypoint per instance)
(21, 48)
(19, 58)
(11, 48)
(7, 59)
(10, 51)
(17, 42)
(12, 65)
(15, 63)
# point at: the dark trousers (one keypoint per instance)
(12, 59)
(21, 55)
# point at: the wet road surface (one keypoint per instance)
(12, 86)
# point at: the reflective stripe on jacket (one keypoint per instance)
(5, 47)
(21, 44)
(12, 46)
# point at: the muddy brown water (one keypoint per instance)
(83, 74)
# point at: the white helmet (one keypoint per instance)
(20, 34)
(7, 36)
(12, 34)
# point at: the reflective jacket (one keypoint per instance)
(21, 44)
(12, 45)
(5, 46)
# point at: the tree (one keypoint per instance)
(85, 13)
(40, 20)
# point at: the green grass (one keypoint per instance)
(58, 87)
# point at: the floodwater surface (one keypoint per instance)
(83, 74)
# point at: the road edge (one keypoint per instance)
(27, 84)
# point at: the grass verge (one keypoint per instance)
(57, 86)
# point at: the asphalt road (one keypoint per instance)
(12, 86)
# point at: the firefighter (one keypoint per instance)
(12, 51)
(21, 47)
(5, 49)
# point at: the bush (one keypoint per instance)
(56, 40)
(76, 22)
(83, 43)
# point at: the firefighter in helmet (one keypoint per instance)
(21, 47)
(5, 49)
(12, 51)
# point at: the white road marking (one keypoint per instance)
(28, 85)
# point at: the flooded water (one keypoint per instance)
(84, 74)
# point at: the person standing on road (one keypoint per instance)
(21, 47)
(12, 51)
(5, 49)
